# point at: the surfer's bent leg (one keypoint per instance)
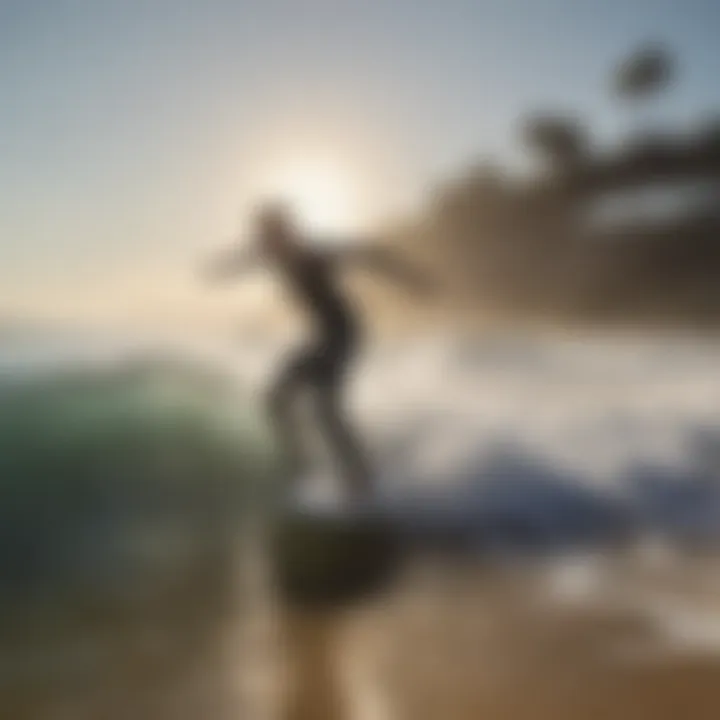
(353, 463)
(282, 400)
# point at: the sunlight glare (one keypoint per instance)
(322, 194)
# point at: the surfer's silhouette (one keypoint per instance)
(310, 270)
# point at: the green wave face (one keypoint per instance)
(101, 464)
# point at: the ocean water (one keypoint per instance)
(115, 459)
(575, 437)
(508, 440)
(587, 465)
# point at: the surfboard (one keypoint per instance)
(328, 547)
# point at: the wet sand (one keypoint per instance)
(622, 636)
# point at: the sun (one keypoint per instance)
(321, 192)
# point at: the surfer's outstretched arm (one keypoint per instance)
(383, 260)
(230, 264)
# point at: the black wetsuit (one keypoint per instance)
(312, 280)
(320, 365)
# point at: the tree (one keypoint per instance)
(644, 73)
(640, 78)
(562, 141)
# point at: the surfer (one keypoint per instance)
(310, 271)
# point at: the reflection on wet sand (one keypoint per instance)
(464, 643)
(580, 638)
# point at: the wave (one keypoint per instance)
(104, 466)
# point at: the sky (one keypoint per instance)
(136, 134)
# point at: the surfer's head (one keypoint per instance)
(276, 228)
